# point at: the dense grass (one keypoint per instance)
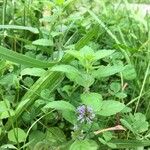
(58, 57)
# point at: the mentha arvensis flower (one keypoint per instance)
(85, 114)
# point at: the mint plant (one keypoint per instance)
(74, 75)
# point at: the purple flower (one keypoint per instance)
(85, 114)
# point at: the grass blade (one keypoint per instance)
(130, 143)
(22, 59)
(101, 23)
(16, 27)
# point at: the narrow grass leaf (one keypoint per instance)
(16, 27)
(23, 59)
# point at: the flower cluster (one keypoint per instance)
(85, 114)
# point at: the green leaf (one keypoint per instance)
(103, 53)
(15, 27)
(66, 69)
(8, 146)
(4, 106)
(87, 53)
(121, 95)
(127, 125)
(23, 59)
(129, 72)
(84, 145)
(107, 136)
(73, 74)
(110, 107)
(16, 135)
(7, 114)
(5, 111)
(50, 79)
(84, 80)
(8, 79)
(105, 71)
(112, 145)
(74, 53)
(113, 36)
(43, 42)
(123, 143)
(33, 72)
(136, 123)
(60, 105)
(35, 137)
(93, 100)
(55, 135)
(115, 87)
(70, 116)
(28, 81)
(59, 2)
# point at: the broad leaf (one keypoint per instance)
(66, 69)
(103, 53)
(16, 133)
(84, 145)
(70, 116)
(129, 72)
(105, 71)
(43, 42)
(110, 107)
(60, 105)
(4, 106)
(8, 146)
(94, 100)
(74, 75)
(55, 135)
(35, 137)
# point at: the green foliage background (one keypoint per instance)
(58, 55)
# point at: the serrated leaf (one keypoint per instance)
(73, 74)
(65, 69)
(110, 107)
(129, 72)
(115, 87)
(60, 105)
(105, 71)
(94, 100)
(43, 42)
(102, 54)
(84, 80)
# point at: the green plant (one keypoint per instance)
(74, 75)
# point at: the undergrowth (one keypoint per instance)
(74, 75)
